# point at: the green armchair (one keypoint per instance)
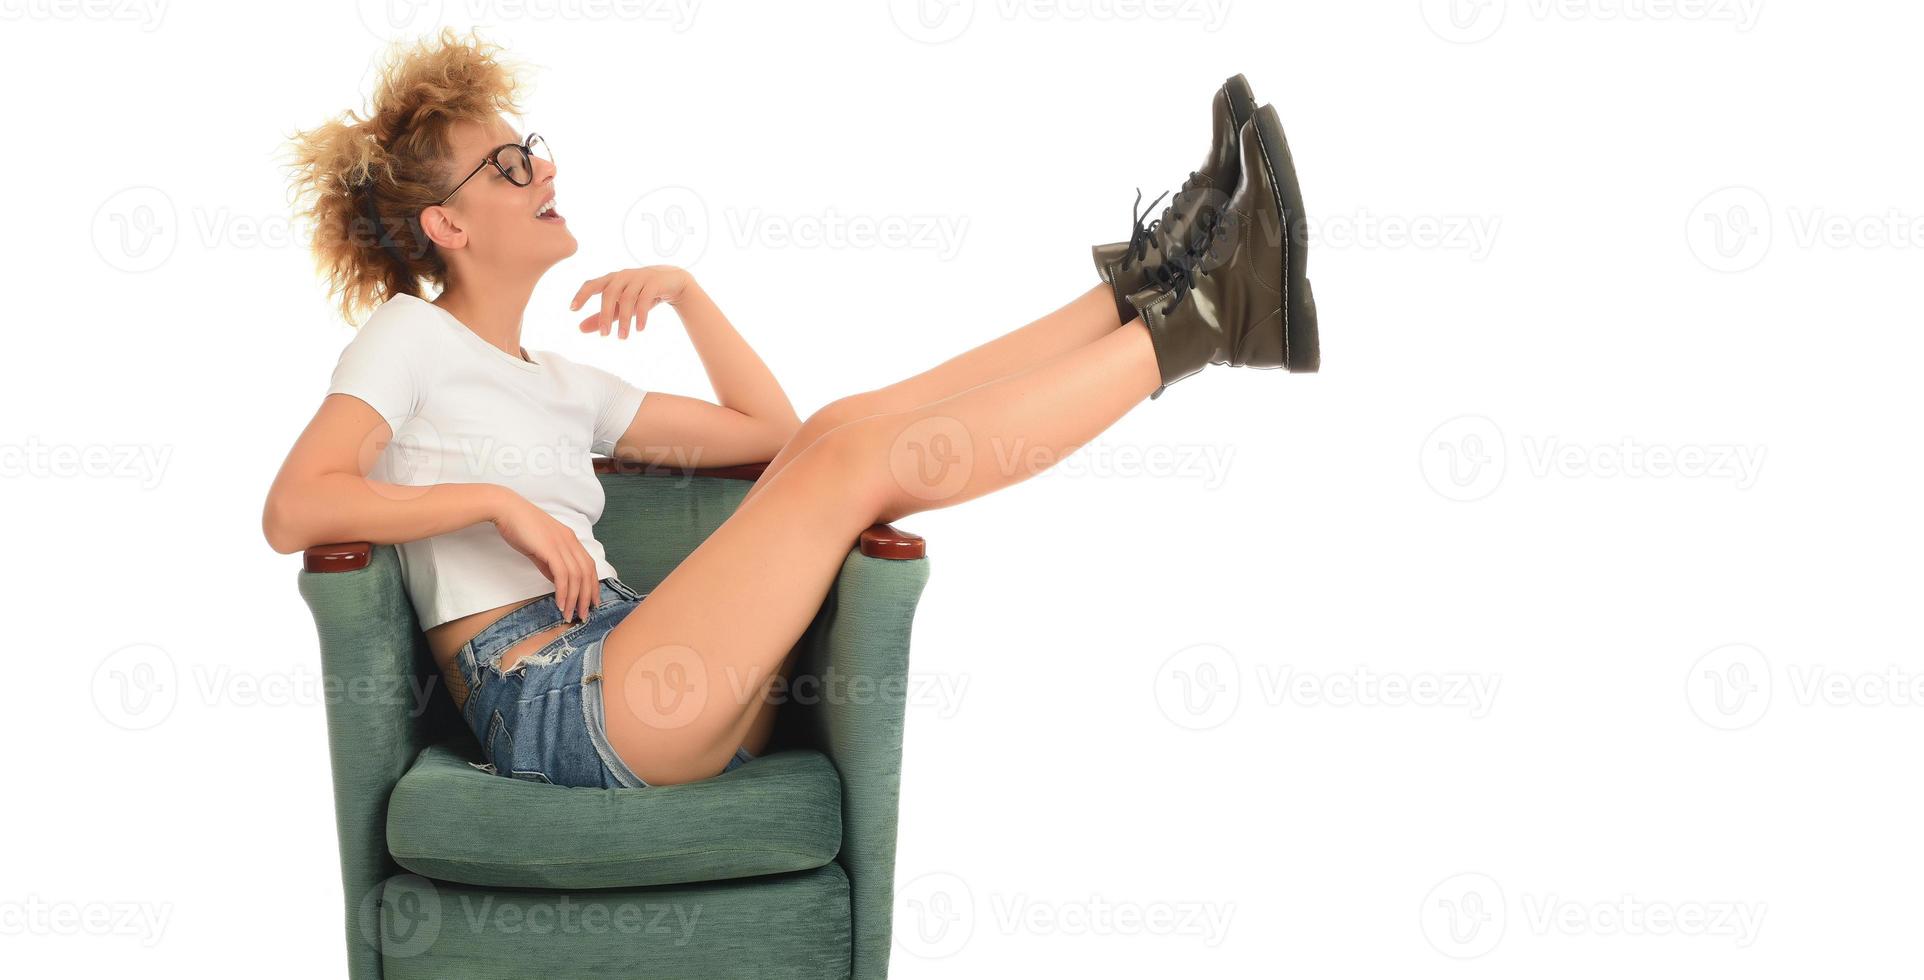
(783, 867)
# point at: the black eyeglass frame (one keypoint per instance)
(494, 157)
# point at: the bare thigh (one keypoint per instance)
(1080, 321)
(684, 671)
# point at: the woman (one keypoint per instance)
(441, 434)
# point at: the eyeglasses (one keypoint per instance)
(514, 160)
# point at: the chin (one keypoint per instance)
(564, 247)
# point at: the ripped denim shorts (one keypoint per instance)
(543, 720)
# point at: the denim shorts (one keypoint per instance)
(543, 720)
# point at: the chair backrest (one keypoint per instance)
(650, 523)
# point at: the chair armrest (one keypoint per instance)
(379, 683)
(847, 692)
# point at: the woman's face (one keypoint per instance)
(497, 226)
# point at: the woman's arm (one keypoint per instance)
(740, 379)
(322, 495)
(753, 419)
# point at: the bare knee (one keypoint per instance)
(848, 464)
(842, 411)
(899, 463)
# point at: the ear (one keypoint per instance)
(442, 228)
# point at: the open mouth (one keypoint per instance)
(546, 211)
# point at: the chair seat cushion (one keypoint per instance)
(449, 821)
(793, 927)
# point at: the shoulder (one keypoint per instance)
(404, 330)
(401, 321)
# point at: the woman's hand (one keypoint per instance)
(555, 550)
(627, 296)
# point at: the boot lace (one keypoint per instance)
(1179, 271)
(1142, 235)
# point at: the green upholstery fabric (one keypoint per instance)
(385, 706)
(793, 926)
(847, 649)
(452, 822)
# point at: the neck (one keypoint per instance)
(492, 307)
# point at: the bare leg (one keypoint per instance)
(1082, 320)
(686, 674)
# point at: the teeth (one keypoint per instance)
(546, 208)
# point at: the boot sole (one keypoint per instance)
(1242, 101)
(1302, 351)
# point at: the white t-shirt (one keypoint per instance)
(465, 411)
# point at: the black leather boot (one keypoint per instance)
(1127, 266)
(1239, 291)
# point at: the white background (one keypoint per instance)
(1627, 450)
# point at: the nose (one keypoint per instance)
(544, 170)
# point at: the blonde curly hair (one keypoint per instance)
(361, 181)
